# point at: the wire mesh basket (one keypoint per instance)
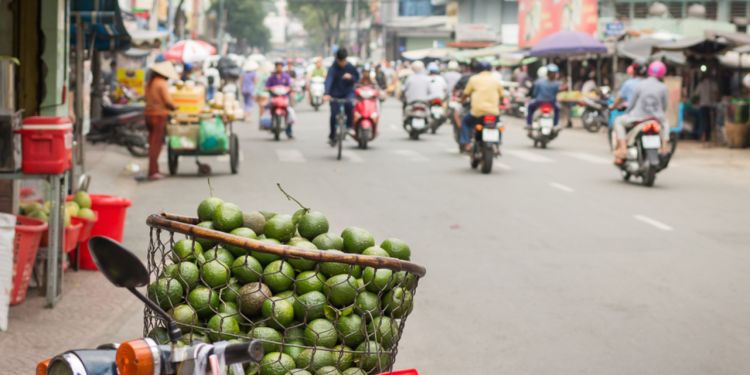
(322, 311)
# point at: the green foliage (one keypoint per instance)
(244, 21)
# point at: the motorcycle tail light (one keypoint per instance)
(546, 108)
(479, 128)
(41, 367)
(138, 357)
(489, 118)
(437, 101)
(652, 127)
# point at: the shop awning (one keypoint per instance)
(639, 49)
(147, 38)
(102, 24)
(713, 43)
(567, 43)
(493, 51)
(429, 53)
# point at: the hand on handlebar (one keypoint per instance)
(326, 98)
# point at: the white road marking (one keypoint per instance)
(411, 155)
(528, 156)
(655, 223)
(589, 157)
(562, 187)
(352, 157)
(290, 156)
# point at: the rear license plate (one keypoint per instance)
(546, 130)
(437, 111)
(418, 123)
(547, 123)
(490, 135)
(651, 141)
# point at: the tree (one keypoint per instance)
(244, 20)
(322, 19)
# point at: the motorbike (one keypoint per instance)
(299, 89)
(415, 122)
(366, 115)
(123, 125)
(455, 106)
(517, 105)
(437, 114)
(486, 143)
(595, 113)
(643, 158)
(543, 129)
(317, 91)
(279, 109)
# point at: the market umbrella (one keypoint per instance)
(567, 43)
(639, 49)
(189, 51)
(430, 53)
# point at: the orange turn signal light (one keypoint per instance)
(479, 128)
(652, 126)
(137, 357)
(41, 367)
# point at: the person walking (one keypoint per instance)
(247, 83)
(158, 105)
(707, 91)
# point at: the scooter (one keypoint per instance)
(517, 106)
(299, 90)
(595, 113)
(437, 114)
(643, 159)
(366, 115)
(486, 143)
(543, 129)
(415, 122)
(123, 125)
(317, 91)
(279, 110)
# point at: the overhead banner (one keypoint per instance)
(539, 18)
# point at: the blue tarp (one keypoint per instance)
(102, 20)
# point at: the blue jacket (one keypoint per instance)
(336, 86)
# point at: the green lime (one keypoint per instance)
(230, 292)
(267, 214)
(293, 348)
(167, 292)
(251, 298)
(228, 308)
(328, 370)
(295, 240)
(299, 371)
(159, 334)
(356, 240)
(188, 274)
(276, 363)
(343, 357)
(227, 217)
(185, 316)
(321, 332)
(287, 295)
(241, 232)
(223, 326)
(215, 273)
(254, 220)
(246, 269)
(332, 268)
(405, 280)
(39, 215)
(341, 290)
(309, 281)
(309, 306)
(303, 264)
(351, 329)
(207, 208)
(205, 301)
(83, 199)
(371, 356)
(193, 337)
(264, 257)
(384, 330)
(279, 312)
(367, 304)
(398, 302)
(295, 333)
(219, 253)
(278, 275)
(298, 215)
(377, 280)
(206, 243)
(270, 338)
(397, 248)
(186, 250)
(314, 359)
(329, 241)
(280, 227)
(376, 251)
(312, 224)
(354, 371)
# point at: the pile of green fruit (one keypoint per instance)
(313, 318)
(80, 206)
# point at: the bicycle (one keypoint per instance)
(340, 125)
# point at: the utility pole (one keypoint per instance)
(220, 32)
(348, 21)
(356, 28)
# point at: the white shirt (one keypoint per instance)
(438, 87)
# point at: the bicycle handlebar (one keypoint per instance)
(244, 352)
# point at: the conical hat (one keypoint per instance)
(166, 69)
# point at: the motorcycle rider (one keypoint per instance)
(545, 91)
(340, 82)
(366, 80)
(416, 87)
(649, 100)
(452, 75)
(281, 78)
(438, 86)
(485, 92)
(635, 71)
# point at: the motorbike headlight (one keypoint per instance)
(83, 362)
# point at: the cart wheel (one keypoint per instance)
(234, 153)
(172, 161)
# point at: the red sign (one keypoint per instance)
(539, 18)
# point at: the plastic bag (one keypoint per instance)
(213, 137)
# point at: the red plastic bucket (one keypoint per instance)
(110, 212)
(28, 234)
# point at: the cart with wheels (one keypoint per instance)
(185, 138)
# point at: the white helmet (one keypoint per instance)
(417, 66)
(746, 81)
(453, 65)
(541, 72)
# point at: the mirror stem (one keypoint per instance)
(172, 329)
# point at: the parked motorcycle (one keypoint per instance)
(416, 117)
(317, 91)
(123, 125)
(366, 115)
(437, 114)
(595, 113)
(643, 158)
(279, 110)
(486, 143)
(543, 129)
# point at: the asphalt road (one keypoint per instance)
(551, 264)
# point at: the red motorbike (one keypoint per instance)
(366, 115)
(279, 109)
